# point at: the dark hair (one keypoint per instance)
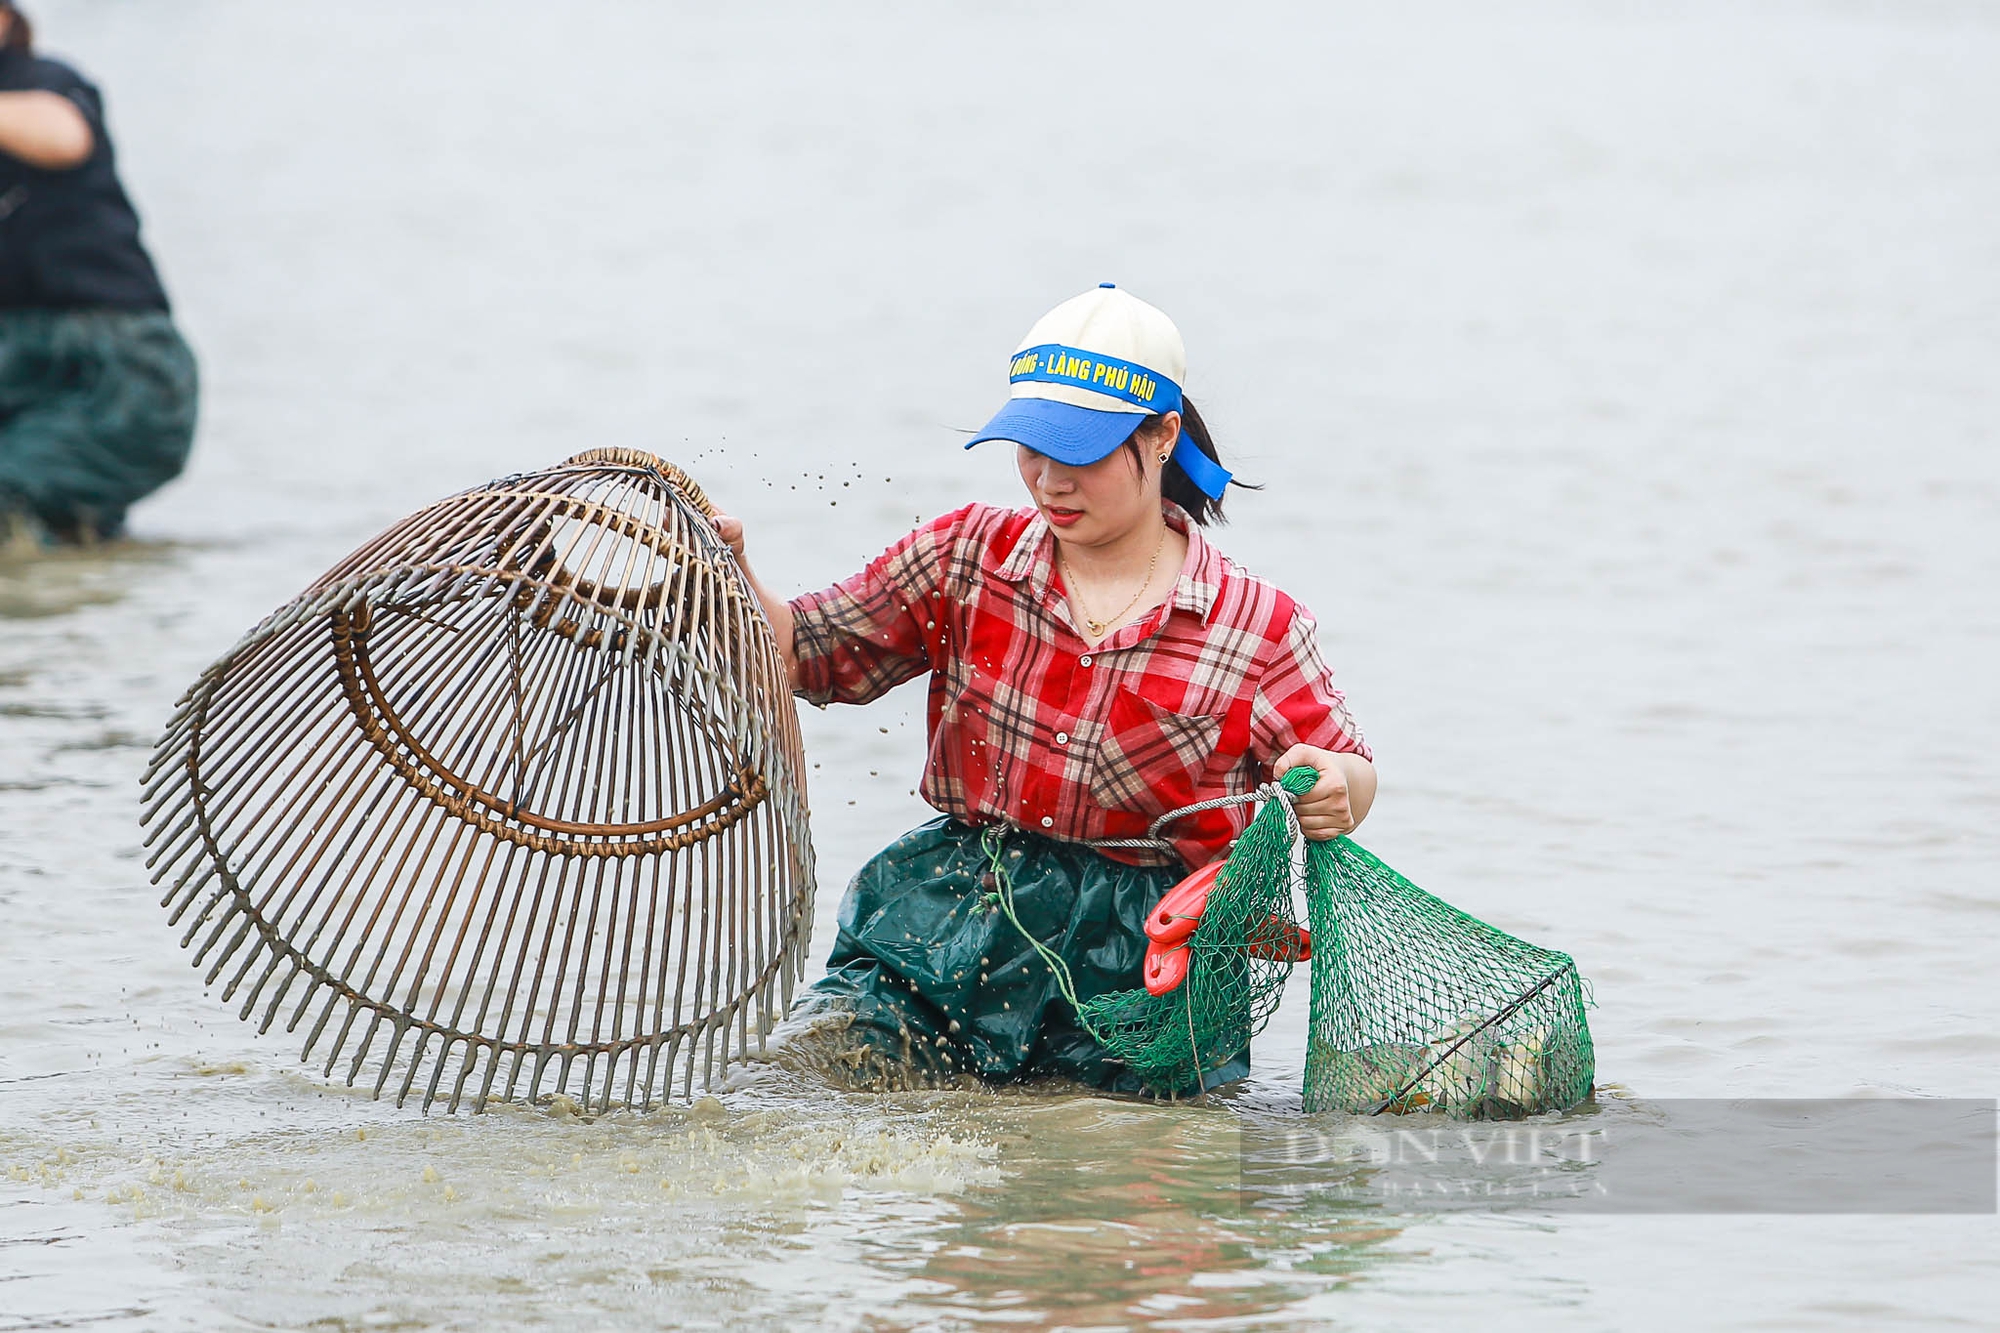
(1175, 484)
(20, 33)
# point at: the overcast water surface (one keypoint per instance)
(1621, 378)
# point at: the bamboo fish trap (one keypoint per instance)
(511, 802)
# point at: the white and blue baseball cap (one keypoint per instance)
(1088, 373)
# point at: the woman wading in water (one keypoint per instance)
(1093, 663)
(97, 389)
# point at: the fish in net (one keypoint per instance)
(1415, 1004)
(509, 803)
(1419, 1006)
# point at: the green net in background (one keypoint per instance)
(1415, 1005)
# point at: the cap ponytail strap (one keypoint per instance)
(1209, 477)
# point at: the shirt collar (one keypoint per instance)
(1195, 590)
(1200, 581)
(1032, 556)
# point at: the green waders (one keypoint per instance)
(939, 982)
(97, 410)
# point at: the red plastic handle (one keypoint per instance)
(1179, 912)
(1166, 966)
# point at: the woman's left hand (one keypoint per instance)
(1341, 797)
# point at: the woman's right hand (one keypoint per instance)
(730, 529)
(776, 610)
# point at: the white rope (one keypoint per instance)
(1269, 791)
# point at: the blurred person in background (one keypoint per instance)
(97, 388)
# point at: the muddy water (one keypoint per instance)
(1621, 380)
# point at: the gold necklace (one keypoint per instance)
(1076, 596)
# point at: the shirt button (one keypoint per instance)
(1048, 822)
(1062, 738)
(1084, 660)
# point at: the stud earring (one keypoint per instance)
(1163, 458)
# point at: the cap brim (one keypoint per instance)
(1065, 432)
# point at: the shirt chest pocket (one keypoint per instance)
(1150, 759)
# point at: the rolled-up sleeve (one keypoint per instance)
(869, 633)
(1296, 702)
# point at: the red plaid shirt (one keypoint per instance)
(1031, 725)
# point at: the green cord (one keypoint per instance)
(1296, 782)
(992, 841)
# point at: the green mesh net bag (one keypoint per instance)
(1236, 968)
(1416, 1006)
